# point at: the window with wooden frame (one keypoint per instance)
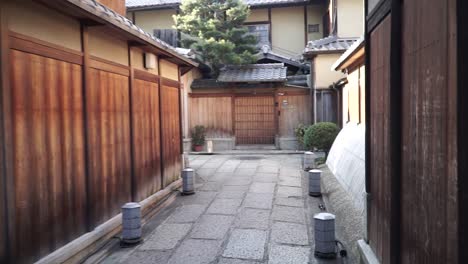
(261, 31)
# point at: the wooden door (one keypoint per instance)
(255, 120)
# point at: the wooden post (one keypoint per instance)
(305, 26)
(7, 183)
(461, 59)
(396, 131)
(161, 140)
(131, 79)
(86, 76)
(181, 137)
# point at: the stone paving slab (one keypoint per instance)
(246, 244)
(258, 200)
(288, 214)
(187, 213)
(254, 218)
(166, 237)
(212, 227)
(224, 206)
(231, 194)
(290, 181)
(237, 261)
(210, 186)
(282, 254)
(289, 233)
(268, 168)
(238, 181)
(147, 257)
(262, 187)
(197, 251)
(287, 191)
(290, 201)
(198, 198)
(243, 212)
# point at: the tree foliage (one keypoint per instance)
(215, 29)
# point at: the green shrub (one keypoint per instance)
(299, 131)
(198, 135)
(321, 136)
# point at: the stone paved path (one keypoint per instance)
(247, 209)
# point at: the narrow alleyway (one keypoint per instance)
(247, 209)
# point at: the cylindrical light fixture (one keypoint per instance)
(188, 181)
(325, 242)
(314, 183)
(131, 224)
(309, 161)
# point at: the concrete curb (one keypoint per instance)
(82, 247)
(349, 221)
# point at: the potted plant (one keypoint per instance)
(198, 138)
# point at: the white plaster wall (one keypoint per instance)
(346, 161)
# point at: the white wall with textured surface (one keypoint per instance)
(346, 161)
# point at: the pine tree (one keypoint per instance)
(215, 30)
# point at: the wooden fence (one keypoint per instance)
(217, 112)
(87, 135)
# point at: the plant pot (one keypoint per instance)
(197, 148)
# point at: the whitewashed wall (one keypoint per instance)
(346, 161)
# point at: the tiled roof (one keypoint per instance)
(329, 44)
(273, 72)
(267, 53)
(348, 54)
(143, 4)
(99, 10)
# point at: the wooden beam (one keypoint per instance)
(461, 59)
(86, 79)
(181, 109)
(145, 76)
(42, 48)
(306, 33)
(367, 140)
(131, 83)
(7, 183)
(161, 149)
(396, 131)
(271, 27)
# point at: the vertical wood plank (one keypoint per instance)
(7, 187)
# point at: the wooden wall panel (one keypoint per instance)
(146, 138)
(215, 113)
(49, 154)
(379, 212)
(429, 116)
(255, 120)
(109, 143)
(295, 111)
(170, 135)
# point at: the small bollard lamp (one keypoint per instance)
(188, 181)
(325, 242)
(209, 146)
(314, 183)
(131, 224)
(309, 161)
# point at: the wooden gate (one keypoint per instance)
(255, 120)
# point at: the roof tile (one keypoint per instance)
(272, 72)
(164, 3)
(329, 44)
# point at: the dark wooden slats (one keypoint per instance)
(109, 143)
(49, 153)
(428, 131)
(379, 220)
(52, 159)
(170, 136)
(255, 120)
(146, 137)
